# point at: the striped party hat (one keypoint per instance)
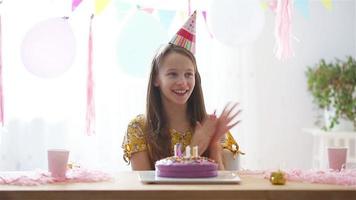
(185, 37)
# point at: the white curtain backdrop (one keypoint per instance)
(50, 113)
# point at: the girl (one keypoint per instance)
(175, 110)
(175, 113)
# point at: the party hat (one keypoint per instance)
(185, 37)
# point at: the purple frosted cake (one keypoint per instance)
(186, 167)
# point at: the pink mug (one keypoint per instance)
(57, 163)
(337, 157)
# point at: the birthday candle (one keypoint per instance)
(187, 151)
(175, 150)
(195, 151)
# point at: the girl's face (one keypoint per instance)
(176, 78)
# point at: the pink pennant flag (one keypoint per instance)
(1, 92)
(283, 29)
(146, 9)
(90, 116)
(75, 4)
(206, 24)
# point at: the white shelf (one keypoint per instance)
(324, 139)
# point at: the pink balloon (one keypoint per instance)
(48, 48)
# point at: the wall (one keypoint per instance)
(283, 105)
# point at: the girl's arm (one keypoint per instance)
(203, 133)
(216, 153)
(140, 161)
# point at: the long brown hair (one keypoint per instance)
(157, 132)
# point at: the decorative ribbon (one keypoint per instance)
(90, 115)
(1, 92)
(283, 29)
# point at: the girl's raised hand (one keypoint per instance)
(226, 121)
(203, 133)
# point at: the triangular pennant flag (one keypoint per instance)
(302, 6)
(100, 5)
(327, 4)
(75, 4)
(166, 17)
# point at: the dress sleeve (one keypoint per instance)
(230, 144)
(134, 140)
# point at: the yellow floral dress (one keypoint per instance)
(134, 140)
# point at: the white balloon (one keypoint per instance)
(48, 48)
(236, 22)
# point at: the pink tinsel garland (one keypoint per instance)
(343, 177)
(283, 28)
(78, 175)
(90, 115)
(1, 92)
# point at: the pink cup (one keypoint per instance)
(57, 163)
(337, 158)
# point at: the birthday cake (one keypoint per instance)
(179, 166)
(176, 167)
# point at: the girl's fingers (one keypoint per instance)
(232, 108)
(235, 115)
(232, 125)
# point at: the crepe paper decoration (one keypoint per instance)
(302, 6)
(327, 4)
(328, 176)
(246, 18)
(90, 115)
(283, 26)
(206, 23)
(100, 5)
(75, 4)
(1, 86)
(41, 177)
(139, 38)
(48, 48)
(185, 37)
(166, 17)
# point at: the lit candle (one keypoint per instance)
(187, 152)
(195, 151)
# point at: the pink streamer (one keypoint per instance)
(34, 178)
(283, 29)
(1, 91)
(189, 8)
(90, 116)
